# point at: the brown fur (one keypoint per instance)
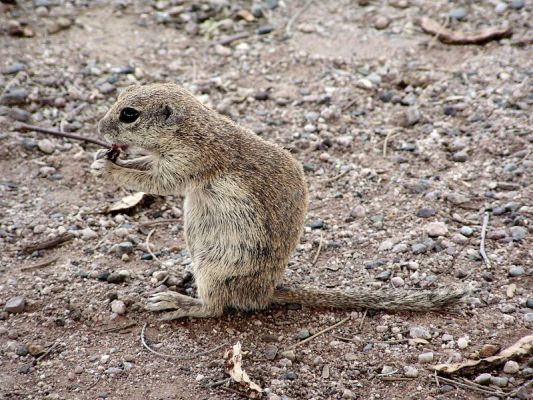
(245, 205)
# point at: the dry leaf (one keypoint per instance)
(239, 375)
(126, 202)
(522, 347)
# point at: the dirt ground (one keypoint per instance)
(406, 144)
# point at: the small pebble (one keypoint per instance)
(488, 350)
(303, 334)
(46, 146)
(118, 307)
(410, 372)
(265, 29)
(435, 229)
(348, 394)
(466, 231)
(425, 357)
(289, 354)
(458, 13)
(419, 332)
(462, 343)
(518, 233)
(499, 381)
(426, 212)
(15, 305)
(291, 376)
(350, 357)
(483, 379)
(529, 302)
(88, 234)
(381, 22)
(397, 281)
(516, 271)
(500, 8)
(517, 4)
(511, 367)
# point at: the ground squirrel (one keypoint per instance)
(244, 209)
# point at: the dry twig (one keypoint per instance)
(471, 386)
(147, 244)
(42, 264)
(452, 37)
(47, 244)
(296, 16)
(176, 357)
(230, 39)
(315, 259)
(329, 328)
(118, 328)
(483, 234)
(50, 349)
(159, 222)
(54, 132)
(336, 177)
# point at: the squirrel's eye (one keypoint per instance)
(128, 115)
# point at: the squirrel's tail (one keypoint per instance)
(389, 299)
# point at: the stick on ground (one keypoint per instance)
(47, 244)
(176, 357)
(329, 328)
(448, 36)
(54, 132)
(296, 16)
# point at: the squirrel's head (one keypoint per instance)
(153, 117)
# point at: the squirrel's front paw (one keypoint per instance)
(100, 165)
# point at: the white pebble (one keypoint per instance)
(118, 307)
(511, 367)
(397, 281)
(425, 357)
(462, 342)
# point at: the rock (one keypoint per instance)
(25, 368)
(507, 308)
(15, 305)
(488, 350)
(426, 212)
(400, 248)
(411, 116)
(116, 277)
(14, 96)
(256, 10)
(18, 114)
(35, 349)
(459, 239)
(289, 354)
(410, 372)
(419, 332)
(500, 8)
(517, 4)
(271, 351)
(383, 276)
(381, 22)
(419, 248)
(425, 358)
(511, 367)
(462, 343)
(13, 68)
(118, 307)
(122, 248)
(265, 29)
(458, 13)
(88, 234)
(457, 198)
(466, 231)
(516, 271)
(106, 88)
(291, 376)
(262, 95)
(446, 337)
(303, 334)
(46, 146)
(529, 302)
(358, 212)
(397, 281)
(316, 224)
(22, 350)
(460, 156)
(499, 381)
(435, 229)
(483, 379)
(518, 233)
